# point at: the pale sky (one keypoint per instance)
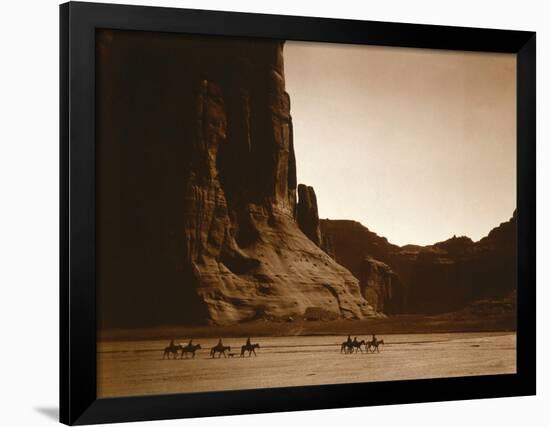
(416, 144)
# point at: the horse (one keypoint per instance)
(356, 345)
(375, 345)
(368, 345)
(346, 347)
(171, 349)
(250, 348)
(189, 348)
(219, 348)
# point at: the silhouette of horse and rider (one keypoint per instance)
(348, 347)
(251, 348)
(374, 344)
(219, 349)
(172, 349)
(190, 348)
(185, 349)
(354, 346)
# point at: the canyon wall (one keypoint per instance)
(308, 214)
(199, 216)
(431, 279)
(381, 286)
(197, 205)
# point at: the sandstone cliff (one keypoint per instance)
(430, 279)
(198, 178)
(382, 287)
(308, 214)
(351, 242)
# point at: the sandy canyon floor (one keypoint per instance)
(130, 368)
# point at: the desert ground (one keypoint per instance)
(134, 367)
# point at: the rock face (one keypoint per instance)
(381, 286)
(210, 159)
(351, 242)
(427, 279)
(308, 214)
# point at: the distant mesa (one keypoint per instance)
(431, 279)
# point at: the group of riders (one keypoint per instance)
(348, 347)
(218, 349)
(353, 346)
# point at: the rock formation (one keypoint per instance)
(197, 213)
(430, 279)
(308, 214)
(351, 242)
(198, 178)
(381, 286)
(328, 246)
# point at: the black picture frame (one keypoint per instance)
(78, 401)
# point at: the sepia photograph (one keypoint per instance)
(278, 213)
